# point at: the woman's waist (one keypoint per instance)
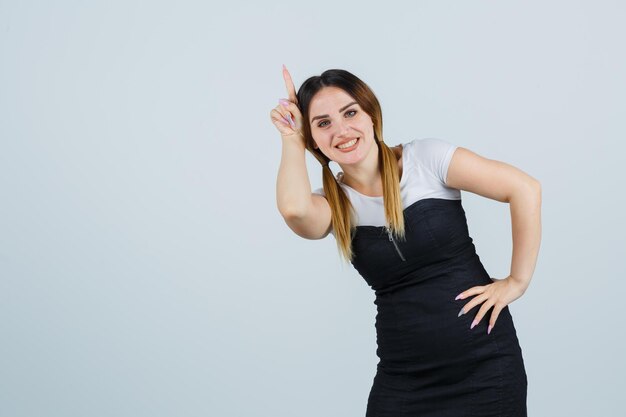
(464, 269)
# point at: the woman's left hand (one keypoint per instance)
(497, 295)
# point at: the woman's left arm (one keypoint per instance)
(505, 183)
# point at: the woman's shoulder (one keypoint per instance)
(432, 153)
(430, 144)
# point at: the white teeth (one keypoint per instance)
(347, 144)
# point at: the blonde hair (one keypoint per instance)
(343, 221)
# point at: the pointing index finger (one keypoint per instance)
(291, 90)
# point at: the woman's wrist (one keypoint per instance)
(294, 139)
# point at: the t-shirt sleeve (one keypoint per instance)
(435, 155)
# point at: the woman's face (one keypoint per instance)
(337, 119)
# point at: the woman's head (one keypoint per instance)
(337, 107)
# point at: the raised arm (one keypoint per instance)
(306, 213)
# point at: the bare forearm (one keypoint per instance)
(525, 206)
(293, 188)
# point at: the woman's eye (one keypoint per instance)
(321, 124)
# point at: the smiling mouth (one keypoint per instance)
(349, 144)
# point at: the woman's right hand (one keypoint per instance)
(287, 116)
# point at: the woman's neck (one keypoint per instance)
(366, 178)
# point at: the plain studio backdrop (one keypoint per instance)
(144, 267)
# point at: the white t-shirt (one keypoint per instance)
(424, 170)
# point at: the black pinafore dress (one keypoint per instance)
(431, 363)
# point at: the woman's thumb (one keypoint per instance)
(293, 109)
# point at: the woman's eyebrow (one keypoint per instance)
(340, 110)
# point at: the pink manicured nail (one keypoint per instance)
(474, 323)
(283, 102)
(457, 297)
(489, 329)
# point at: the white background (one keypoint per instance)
(144, 267)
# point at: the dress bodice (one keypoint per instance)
(436, 233)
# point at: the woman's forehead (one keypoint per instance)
(329, 98)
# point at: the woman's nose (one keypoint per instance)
(343, 129)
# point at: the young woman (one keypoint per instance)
(396, 215)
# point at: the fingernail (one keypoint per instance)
(474, 323)
(291, 122)
(489, 329)
(460, 313)
(283, 102)
(457, 297)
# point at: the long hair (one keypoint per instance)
(343, 222)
